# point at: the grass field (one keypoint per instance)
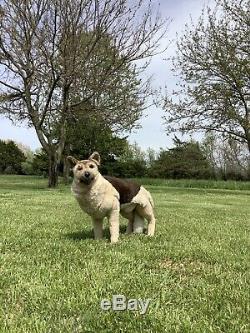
(53, 275)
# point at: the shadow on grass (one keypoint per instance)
(89, 234)
(80, 235)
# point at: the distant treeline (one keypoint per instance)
(213, 158)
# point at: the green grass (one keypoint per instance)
(53, 275)
(197, 183)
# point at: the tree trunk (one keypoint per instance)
(66, 167)
(65, 170)
(53, 171)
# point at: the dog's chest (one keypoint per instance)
(96, 203)
(91, 203)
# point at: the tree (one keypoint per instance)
(11, 157)
(132, 163)
(88, 133)
(151, 156)
(27, 168)
(185, 160)
(227, 157)
(213, 63)
(128, 161)
(40, 163)
(27, 165)
(58, 57)
(209, 149)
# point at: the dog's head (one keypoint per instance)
(85, 171)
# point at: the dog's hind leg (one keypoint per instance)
(151, 226)
(147, 213)
(130, 217)
(129, 229)
(98, 230)
(138, 224)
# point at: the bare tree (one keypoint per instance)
(213, 64)
(51, 64)
(227, 157)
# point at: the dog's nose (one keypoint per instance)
(86, 174)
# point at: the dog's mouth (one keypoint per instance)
(86, 181)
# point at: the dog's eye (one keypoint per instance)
(79, 167)
(91, 166)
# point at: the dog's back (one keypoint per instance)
(127, 189)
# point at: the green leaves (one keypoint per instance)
(11, 157)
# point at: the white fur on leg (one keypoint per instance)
(138, 224)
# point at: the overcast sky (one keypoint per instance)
(152, 132)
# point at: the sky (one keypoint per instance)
(152, 133)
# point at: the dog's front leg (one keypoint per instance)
(98, 231)
(114, 223)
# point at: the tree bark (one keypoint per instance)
(65, 170)
(53, 171)
(248, 143)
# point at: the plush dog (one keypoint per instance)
(107, 196)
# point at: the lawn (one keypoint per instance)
(53, 275)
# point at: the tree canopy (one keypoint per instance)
(58, 57)
(213, 63)
(11, 157)
(184, 160)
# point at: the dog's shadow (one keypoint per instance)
(89, 234)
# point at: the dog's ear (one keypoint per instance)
(72, 161)
(95, 157)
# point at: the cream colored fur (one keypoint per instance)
(100, 200)
(140, 208)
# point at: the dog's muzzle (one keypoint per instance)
(86, 178)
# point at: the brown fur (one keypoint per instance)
(127, 189)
